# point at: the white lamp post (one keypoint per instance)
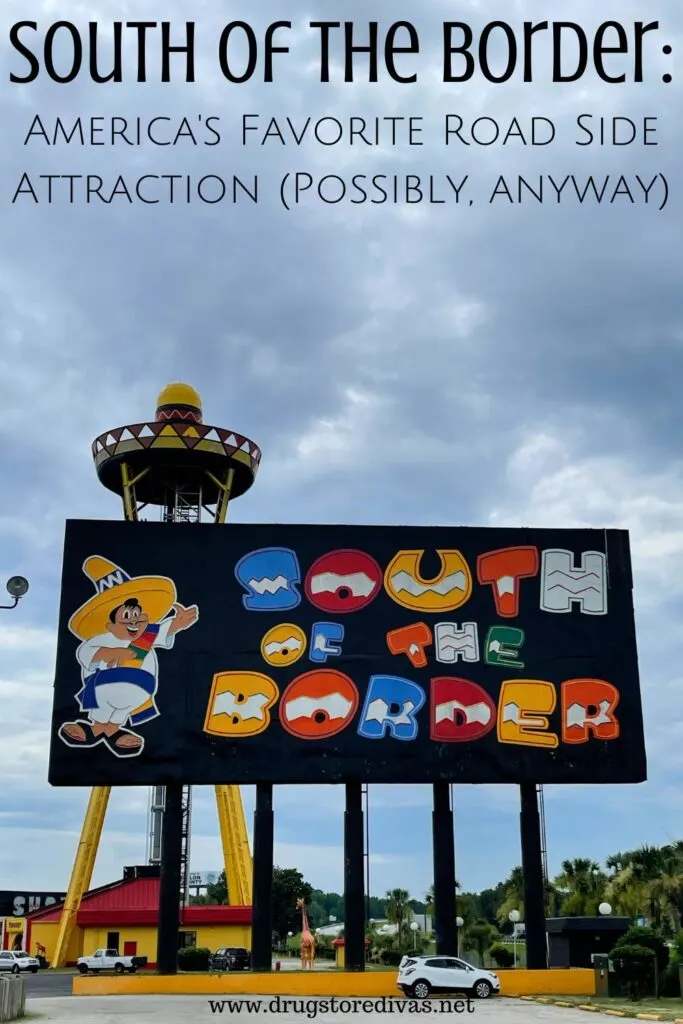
(514, 917)
(458, 925)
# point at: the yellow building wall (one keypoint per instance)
(216, 936)
(85, 941)
(145, 937)
(213, 937)
(46, 934)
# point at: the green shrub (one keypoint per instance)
(634, 967)
(501, 955)
(649, 938)
(192, 958)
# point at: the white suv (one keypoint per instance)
(420, 975)
(18, 960)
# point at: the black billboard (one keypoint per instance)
(212, 654)
(15, 903)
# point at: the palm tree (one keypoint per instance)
(397, 909)
(513, 898)
(480, 936)
(582, 885)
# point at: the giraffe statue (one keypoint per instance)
(307, 940)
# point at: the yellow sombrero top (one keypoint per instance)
(113, 586)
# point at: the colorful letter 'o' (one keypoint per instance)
(318, 704)
(283, 645)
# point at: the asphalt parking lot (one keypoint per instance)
(48, 983)
(170, 1009)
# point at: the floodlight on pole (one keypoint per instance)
(17, 587)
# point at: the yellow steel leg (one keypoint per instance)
(236, 853)
(81, 876)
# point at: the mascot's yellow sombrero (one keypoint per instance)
(113, 586)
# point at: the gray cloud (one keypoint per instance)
(428, 365)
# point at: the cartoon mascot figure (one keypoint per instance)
(120, 629)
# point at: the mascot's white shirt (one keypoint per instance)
(87, 650)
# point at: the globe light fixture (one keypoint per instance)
(604, 909)
(459, 922)
(414, 926)
(16, 587)
(514, 916)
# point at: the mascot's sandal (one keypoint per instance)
(82, 734)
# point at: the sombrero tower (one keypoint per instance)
(189, 472)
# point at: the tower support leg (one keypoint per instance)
(443, 851)
(262, 909)
(168, 928)
(534, 880)
(235, 843)
(81, 876)
(354, 902)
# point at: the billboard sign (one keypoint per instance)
(200, 879)
(18, 904)
(295, 654)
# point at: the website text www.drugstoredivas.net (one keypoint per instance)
(312, 1008)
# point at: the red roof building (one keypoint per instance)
(123, 915)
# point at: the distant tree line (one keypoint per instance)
(643, 883)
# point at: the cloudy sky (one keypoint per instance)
(484, 365)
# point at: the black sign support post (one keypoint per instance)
(354, 903)
(170, 882)
(444, 871)
(534, 882)
(262, 887)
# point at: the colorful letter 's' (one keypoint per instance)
(269, 576)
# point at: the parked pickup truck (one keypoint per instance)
(110, 960)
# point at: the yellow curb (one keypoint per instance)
(528, 998)
(558, 1002)
(650, 1016)
(588, 1006)
(543, 999)
(616, 1013)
